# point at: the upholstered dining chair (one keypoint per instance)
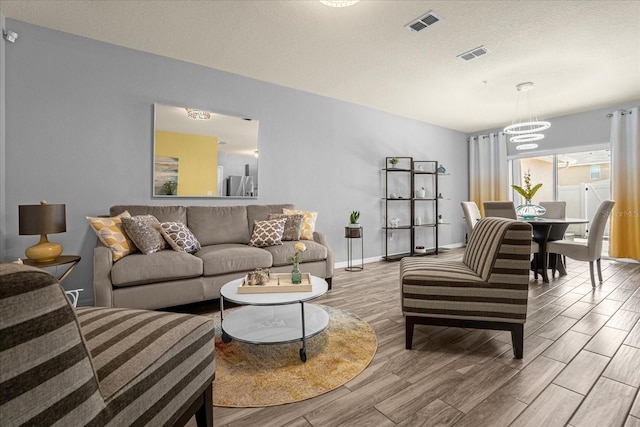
(500, 210)
(471, 216)
(591, 250)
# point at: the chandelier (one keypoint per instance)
(198, 114)
(525, 126)
(339, 3)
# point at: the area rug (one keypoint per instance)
(249, 375)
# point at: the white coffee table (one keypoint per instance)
(273, 318)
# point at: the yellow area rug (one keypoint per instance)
(249, 375)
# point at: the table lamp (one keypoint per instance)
(42, 219)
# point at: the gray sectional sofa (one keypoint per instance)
(169, 278)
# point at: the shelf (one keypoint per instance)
(420, 175)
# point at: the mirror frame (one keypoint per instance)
(234, 141)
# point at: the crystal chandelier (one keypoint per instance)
(339, 3)
(525, 126)
(198, 114)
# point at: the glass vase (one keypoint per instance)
(529, 210)
(296, 275)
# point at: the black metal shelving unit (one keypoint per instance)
(418, 172)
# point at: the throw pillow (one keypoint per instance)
(267, 233)
(111, 234)
(144, 230)
(308, 222)
(179, 237)
(292, 227)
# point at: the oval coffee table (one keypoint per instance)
(273, 318)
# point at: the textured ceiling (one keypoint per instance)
(582, 55)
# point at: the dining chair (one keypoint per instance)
(506, 209)
(500, 210)
(471, 216)
(554, 210)
(591, 250)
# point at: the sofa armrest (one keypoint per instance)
(321, 238)
(102, 287)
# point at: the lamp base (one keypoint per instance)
(44, 251)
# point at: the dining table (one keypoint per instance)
(542, 232)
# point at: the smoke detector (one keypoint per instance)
(431, 18)
(474, 53)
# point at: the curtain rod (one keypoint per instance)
(622, 113)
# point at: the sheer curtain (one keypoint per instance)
(488, 168)
(625, 184)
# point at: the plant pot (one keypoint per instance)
(354, 225)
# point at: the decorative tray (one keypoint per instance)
(278, 282)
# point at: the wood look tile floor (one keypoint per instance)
(581, 363)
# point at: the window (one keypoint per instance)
(582, 179)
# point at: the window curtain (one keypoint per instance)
(488, 168)
(624, 235)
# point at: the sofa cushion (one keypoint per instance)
(308, 222)
(163, 213)
(230, 257)
(293, 226)
(315, 252)
(111, 234)
(267, 233)
(262, 212)
(179, 237)
(214, 225)
(144, 231)
(138, 269)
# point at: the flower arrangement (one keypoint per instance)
(527, 192)
(297, 257)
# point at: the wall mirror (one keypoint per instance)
(198, 153)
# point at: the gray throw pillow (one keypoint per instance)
(179, 237)
(267, 233)
(144, 231)
(292, 227)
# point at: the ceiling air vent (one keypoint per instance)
(423, 22)
(473, 53)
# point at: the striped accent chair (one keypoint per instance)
(487, 289)
(98, 366)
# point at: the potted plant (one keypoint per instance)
(393, 161)
(353, 219)
(421, 193)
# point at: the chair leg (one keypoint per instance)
(517, 340)
(593, 279)
(204, 415)
(408, 332)
(599, 270)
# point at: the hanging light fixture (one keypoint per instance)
(525, 126)
(339, 3)
(198, 114)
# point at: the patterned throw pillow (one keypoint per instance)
(267, 233)
(144, 230)
(292, 227)
(111, 234)
(179, 237)
(308, 222)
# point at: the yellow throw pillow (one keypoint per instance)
(308, 222)
(110, 232)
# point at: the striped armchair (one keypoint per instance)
(98, 366)
(488, 289)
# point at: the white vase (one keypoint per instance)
(420, 194)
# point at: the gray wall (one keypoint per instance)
(79, 123)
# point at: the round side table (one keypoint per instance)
(351, 233)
